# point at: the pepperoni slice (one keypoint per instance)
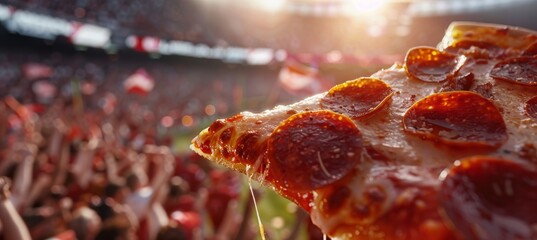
(491, 198)
(458, 118)
(357, 98)
(310, 150)
(531, 107)
(430, 65)
(249, 147)
(520, 70)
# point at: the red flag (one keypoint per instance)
(139, 83)
(32, 71)
(298, 78)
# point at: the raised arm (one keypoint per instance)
(82, 167)
(13, 226)
(25, 152)
(164, 160)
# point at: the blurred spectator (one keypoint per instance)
(12, 225)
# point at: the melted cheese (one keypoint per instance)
(261, 228)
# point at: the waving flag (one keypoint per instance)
(139, 83)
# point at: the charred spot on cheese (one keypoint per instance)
(291, 112)
(520, 70)
(431, 65)
(457, 118)
(459, 83)
(357, 98)
(490, 198)
(313, 149)
(530, 107)
(485, 90)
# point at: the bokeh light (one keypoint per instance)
(187, 121)
(167, 121)
(210, 110)
(277, 222)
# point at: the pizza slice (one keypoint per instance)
(443, 146)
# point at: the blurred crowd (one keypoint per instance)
(234, 23)
(90, 160)
(89, 175)
(182, 86)
(166, 19)
(83, 172)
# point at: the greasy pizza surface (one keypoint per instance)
(442, 146)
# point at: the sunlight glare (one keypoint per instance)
(367, 6)
(271, 5)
